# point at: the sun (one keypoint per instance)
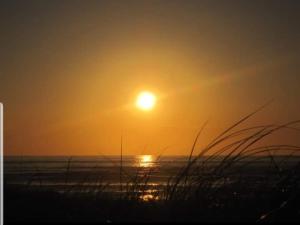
(145, 100)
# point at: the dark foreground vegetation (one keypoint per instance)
(232, 188)
(226, 205)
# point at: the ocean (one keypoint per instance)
(92, 173)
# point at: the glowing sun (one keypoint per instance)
(145, 100)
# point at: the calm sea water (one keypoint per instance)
(95, 171)
(59, 169)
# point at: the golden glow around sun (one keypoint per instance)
(145, 100)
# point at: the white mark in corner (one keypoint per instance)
(1, 163)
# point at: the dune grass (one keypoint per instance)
(206, 187)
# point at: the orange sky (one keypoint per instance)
(71, 70)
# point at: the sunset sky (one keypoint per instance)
(70, 72)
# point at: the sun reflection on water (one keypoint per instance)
(147, 166)
(145, 160)
(149, 197)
